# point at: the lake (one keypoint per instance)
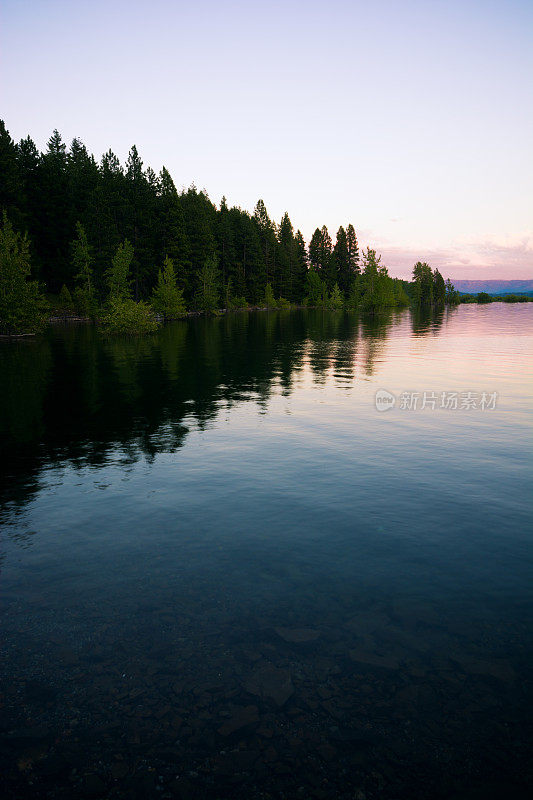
(226, 574)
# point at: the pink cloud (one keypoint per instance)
(478, 260)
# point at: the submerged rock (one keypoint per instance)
(242, 717)
(298, 635)
(374, 660)
(270, 683)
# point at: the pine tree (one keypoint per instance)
(439, 289)
(301, 267)
(65, 299)
(226, 245)
(342, 261)
(336, 299)
(270, 300)
(269, 243)
(53, 225)
(118, 279)
(353, 251)
(452, 295)
(200, 222)
(287, 257)
(321, 256)
(423, 283)
(167, 299)
(11, 199)
(20, 299)
(316, 289)
(207, 292)
(82, 179)
(137, 219)
(172, 234)
(82, 261)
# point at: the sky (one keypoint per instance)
(412, 120)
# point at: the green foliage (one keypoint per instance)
(85, 302)
(400, 295)
(353, 251)
(354, 295)
(231, 301)
(118, 274)
(167, 299)
(336, 299)
(269, 299)
(65, 299)
(439, 289)
(423, 284)
(429, 288)
(207, 291)
(79, 211)
(321, 256)
(316, 290)
(226, 292)
(283, 304)
(376, 287)
(124, 316)
(483, 297)
(21, 303)
(236, 303)
(452, 295)
(82, 260)
(515, 298)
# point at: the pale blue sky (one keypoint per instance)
(413, 120)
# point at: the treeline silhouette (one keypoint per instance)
(64, 199)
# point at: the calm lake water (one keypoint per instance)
(225, 574)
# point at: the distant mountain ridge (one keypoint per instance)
(494, 287)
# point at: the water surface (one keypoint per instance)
(225, 574)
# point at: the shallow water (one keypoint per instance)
(225, 574)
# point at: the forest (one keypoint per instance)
(120, 243)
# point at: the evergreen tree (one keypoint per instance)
(118, 279)
(316, 289)
(342, 261)
(439, 289)
(269, 243)
(377, 288)
(452, 295)
(11, 200)
(321, 256)
(200, 222)
(82, 261)
(207, 292)
(315, 249)
(137, 219)
(65, 299)
(167, 299)
(173, 239)
(336, 299)
(423, 283)
(226, 245)
(270, 300)
(82, 181)
(53, 225)
(301, 261)
(20, 300)
(353, 251)
(48, 194)
(287, 257)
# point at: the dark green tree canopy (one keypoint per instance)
(78, 213)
